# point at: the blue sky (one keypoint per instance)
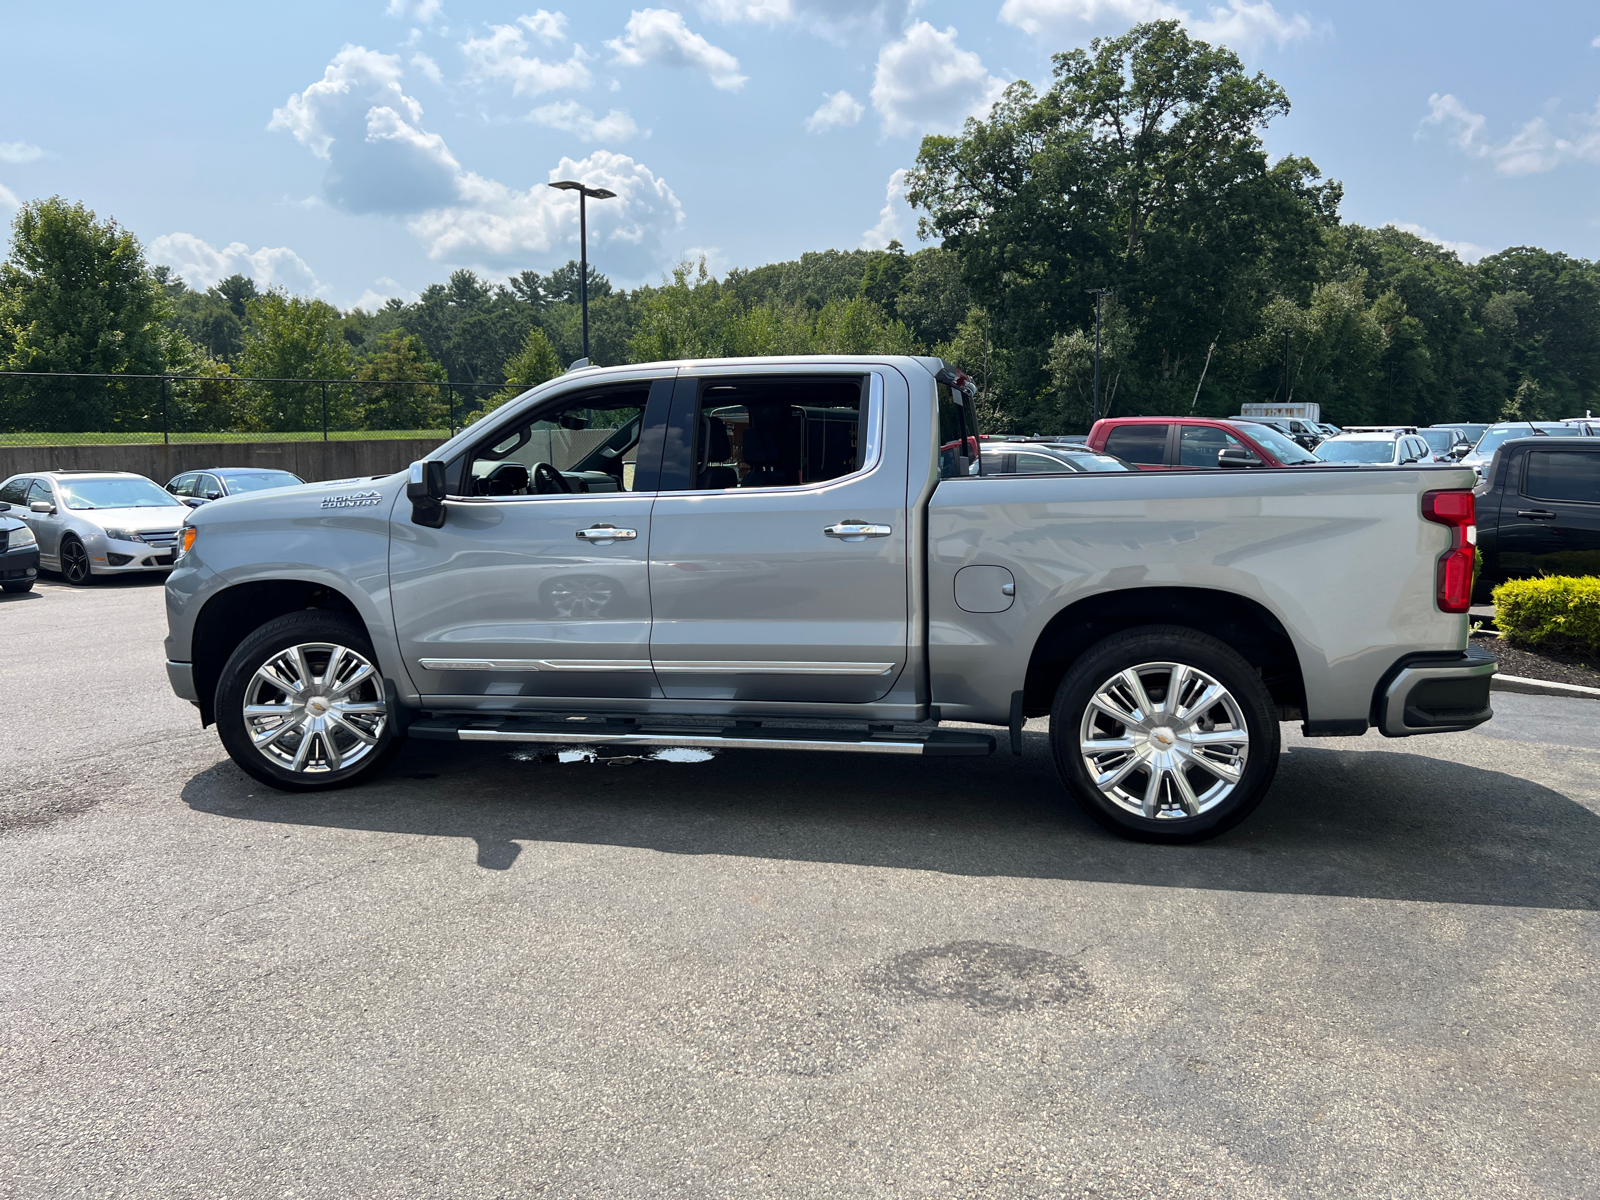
(364, 150)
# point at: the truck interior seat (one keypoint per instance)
(772, 446)
(719, 448)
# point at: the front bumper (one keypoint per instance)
(19, 565)
(1436, 693)
(181, 676)
(116, 558)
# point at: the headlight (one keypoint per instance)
(21, 539)
(124, 535)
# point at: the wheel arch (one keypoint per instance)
(236, 612)
(1245, 624)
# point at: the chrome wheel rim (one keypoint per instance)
(1164, 741)
(74, 561)
(315, 708)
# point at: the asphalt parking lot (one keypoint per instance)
(490, 975)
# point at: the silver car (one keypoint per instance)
(92, 523)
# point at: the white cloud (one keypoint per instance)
(1469, 252)
(369, 131)
(502, 57)
(385, 289)
(414, 10)
(427, 66)
(926, 84)
(201, 265)
(1240, 23)
(547, 26)
(382, 159)
(1532, 150)
(8, 198)
(629, 237)
(839, 109)
(19, 152)
(571, 117)
(831, 19)
(888, 229)
(658, 35)
(1596, 43)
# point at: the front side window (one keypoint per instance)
(776, 431)
(1041, 464)
(1198, 445)
(1285, 449)
(1567, 475)
(40, 491)
(260, 481)
(1145, 445)
(583, 443)
(208, 487)
(182, 486)
(81, 494)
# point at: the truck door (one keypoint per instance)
(536, 586)
(1550, 524)
(778, 552)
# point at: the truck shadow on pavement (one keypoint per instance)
(1375, 824)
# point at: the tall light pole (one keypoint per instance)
(1099, 295)
(585, 194)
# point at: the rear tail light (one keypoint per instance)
(1454, 576)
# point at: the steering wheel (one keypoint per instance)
(546, 479)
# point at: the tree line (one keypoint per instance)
(1139, 170)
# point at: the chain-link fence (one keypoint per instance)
(59, 409)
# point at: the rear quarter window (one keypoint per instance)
(1142, 444)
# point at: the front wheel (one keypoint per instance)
(75, 562)
(16, 589)
(301, 705)
(1165, 734)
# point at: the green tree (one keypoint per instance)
(295, 338)
(77, 296)
(537, 362)
(1141, 169)
(400, 391)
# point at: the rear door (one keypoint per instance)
(1142, 444)
(779, 545)
(1550, 519)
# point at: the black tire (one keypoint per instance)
(1252, 711)
(16, 589)
(238, 684)
(74, 558)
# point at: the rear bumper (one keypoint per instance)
(1436, 693)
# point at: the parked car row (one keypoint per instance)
(85, 524)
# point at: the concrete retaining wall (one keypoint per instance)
(312, 461)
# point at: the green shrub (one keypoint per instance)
(1557, 613)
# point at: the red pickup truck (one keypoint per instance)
(1195, 443)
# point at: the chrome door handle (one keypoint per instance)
(606, 534)
(856, 531)
(1538, 514)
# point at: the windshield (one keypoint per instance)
(261, 482)
(1356, 452)
(113, 493)
(1282, 447)
(1493, 439)
(1439, 440)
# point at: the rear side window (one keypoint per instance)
(779, 431)
(1143, 444)
(1572, 475)
(15, 491)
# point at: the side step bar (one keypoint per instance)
(746, 736)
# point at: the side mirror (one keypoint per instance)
(426, 490)
(42, 506)
(193, 501)
(4, 507)
(1236, 456)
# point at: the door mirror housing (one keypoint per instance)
(1236, 456)
(426, 489)
(42, 506)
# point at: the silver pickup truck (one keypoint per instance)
(803, 554)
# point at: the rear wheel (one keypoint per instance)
(300, 705)
(1165, 734)
(75, 562)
